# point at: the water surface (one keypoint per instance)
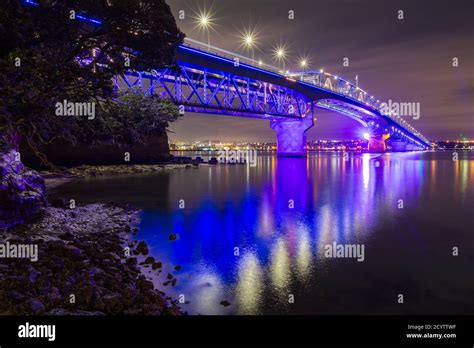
(255, 236)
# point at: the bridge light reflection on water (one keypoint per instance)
(281, 249)
(249, 285)
(278, 245)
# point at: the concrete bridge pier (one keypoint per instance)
(377, 143)
(291, 136)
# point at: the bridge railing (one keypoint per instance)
(336, 84)
(315, 78)
(319, 79)
(231, 55)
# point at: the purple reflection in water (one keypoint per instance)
(254, 236)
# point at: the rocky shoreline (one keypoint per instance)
(53, 179)
(126, 169)
(87, 265)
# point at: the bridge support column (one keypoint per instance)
(377, 143)
(399, 146)
(291, 136)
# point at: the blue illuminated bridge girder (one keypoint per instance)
(210, 83)
(213, 83)
(207, 90)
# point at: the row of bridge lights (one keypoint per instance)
(249, 41)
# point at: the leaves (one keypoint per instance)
(65, 59)
(131, 117)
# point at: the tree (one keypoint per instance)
(132, 117)
(50, 53)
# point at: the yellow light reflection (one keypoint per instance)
(304, 257)
(280, 265)
(464, 176)
(250, 284)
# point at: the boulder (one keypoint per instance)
(22, 191)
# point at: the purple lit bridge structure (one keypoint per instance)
(215, 81)
(210, 80)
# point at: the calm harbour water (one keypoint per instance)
(281, 248)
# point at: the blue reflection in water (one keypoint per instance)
(256, 231)
(253, 236)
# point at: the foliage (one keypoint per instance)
(47, 57)
(136, 116)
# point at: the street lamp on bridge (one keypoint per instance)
(249, 42)
(280, 53)
(303, 62)
(205, 23)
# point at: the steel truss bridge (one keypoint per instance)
(214, 81)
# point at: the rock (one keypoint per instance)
(36, 306)
(22, 191)
(85, 258)
(71, 251)
(157, 265)
(16, 295)
(67, 236)
(225, 303)
(177, 268)
(142, 248)
(54, 294)
(173, 236)
(149, 260)
(33, 276)
(113, 303)
(143, 284)
(132, 261)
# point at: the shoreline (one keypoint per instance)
(88, 264)
(54, 180)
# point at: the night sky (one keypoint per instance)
(407, 60)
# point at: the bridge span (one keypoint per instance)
(211, 80)
(214, 81)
